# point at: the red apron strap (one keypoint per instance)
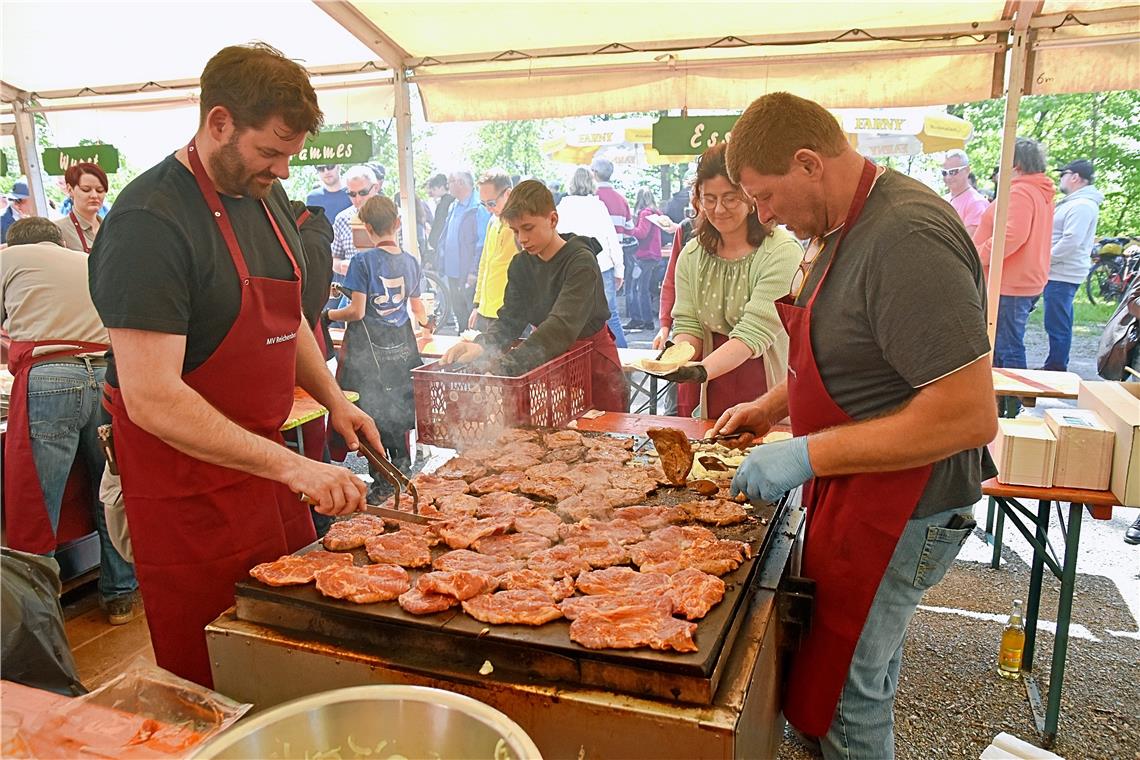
(79, 232)
(304, 217)
(26, 520)
(866, 180)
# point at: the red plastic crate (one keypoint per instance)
(456, 408)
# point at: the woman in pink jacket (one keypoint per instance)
(1028, 239)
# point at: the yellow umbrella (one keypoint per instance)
(634, 135)
(902, 131)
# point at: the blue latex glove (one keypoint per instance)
(774, 469)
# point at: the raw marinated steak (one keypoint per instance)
(558, 589)
(546, 470)
(650, 518)
(718, 557)
(676, 453)
(590, 475)
(458, 584)
(553, 488)
(366, 584)
(501, 504)
(293, 570)
(609, 454)
(517, 545)
(418, 603)
(513, 460)
(714, 511)
(631, 627)
(539, 521)
(601, 552)
(519, 607)
(562, 438)
(431, 487)
(576, 606)
(504, 481)
(607, 442)
(623, 580)
(518, 435)
(629, 479)
(463, 468)
(620, 497)
(565, 454)
(669, 550)
(481, 454)
(346, 535)
(622, 531)
(419, 531)
(558, 561)
(458, 505)
(404, 548)
(461, 532)
(585, 505)
(694, 592)
(464, 559)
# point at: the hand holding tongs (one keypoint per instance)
(399, 481)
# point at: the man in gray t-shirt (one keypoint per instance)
(891, 402)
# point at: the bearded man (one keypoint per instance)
(197, 274)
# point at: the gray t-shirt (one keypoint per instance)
(903, 306)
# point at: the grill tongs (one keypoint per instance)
(399, 482)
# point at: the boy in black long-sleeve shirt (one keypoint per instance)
(557, 288)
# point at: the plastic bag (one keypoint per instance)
(35, 648)
(146, 712)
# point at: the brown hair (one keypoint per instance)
(711, 164)
(76, 171)
(379, 213)
(529, 198)
(774, 127)
(498, 178)
(256, 82)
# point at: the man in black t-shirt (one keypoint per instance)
(891, 403)
(197, 274)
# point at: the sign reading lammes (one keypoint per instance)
(690, 135)
(58, 160)
(353, 145)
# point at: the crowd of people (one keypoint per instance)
(885, 372)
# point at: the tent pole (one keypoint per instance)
(1015, 83)
(29, 155)
(404, 163)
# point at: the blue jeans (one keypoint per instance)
(64, 414)
(1009, 343)
(611, 300)
(1059, 322)
(644, 307)
(863, 726)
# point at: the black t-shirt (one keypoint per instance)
(903, 306)
(562, 297)
(160, 262)
(316, 239)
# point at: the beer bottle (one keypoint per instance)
(1012, 644)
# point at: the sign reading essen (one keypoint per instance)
(690, 135)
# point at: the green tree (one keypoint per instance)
(514, 146)
(1099, 126)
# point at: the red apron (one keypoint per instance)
(196, 527)
(853, 524)
(745, 383)
(79, 232)
(608, 387)
(26, 521)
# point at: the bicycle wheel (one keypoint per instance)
(434, 294)
(1097, 282)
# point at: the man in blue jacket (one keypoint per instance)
(461, 244)
(1074, 229)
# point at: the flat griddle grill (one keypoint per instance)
(453, 642)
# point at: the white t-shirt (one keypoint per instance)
(586, 215)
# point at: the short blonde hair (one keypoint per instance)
(529, 198)
(767, 135)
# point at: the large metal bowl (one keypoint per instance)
(376, 722)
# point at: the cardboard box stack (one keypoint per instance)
(1024, 452)
(1084, 449)
(1118, 406)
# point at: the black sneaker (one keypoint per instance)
(120, 610)
(1132, 535)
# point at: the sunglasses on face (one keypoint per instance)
(955, 170)
(360, 193)
(493, 203)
